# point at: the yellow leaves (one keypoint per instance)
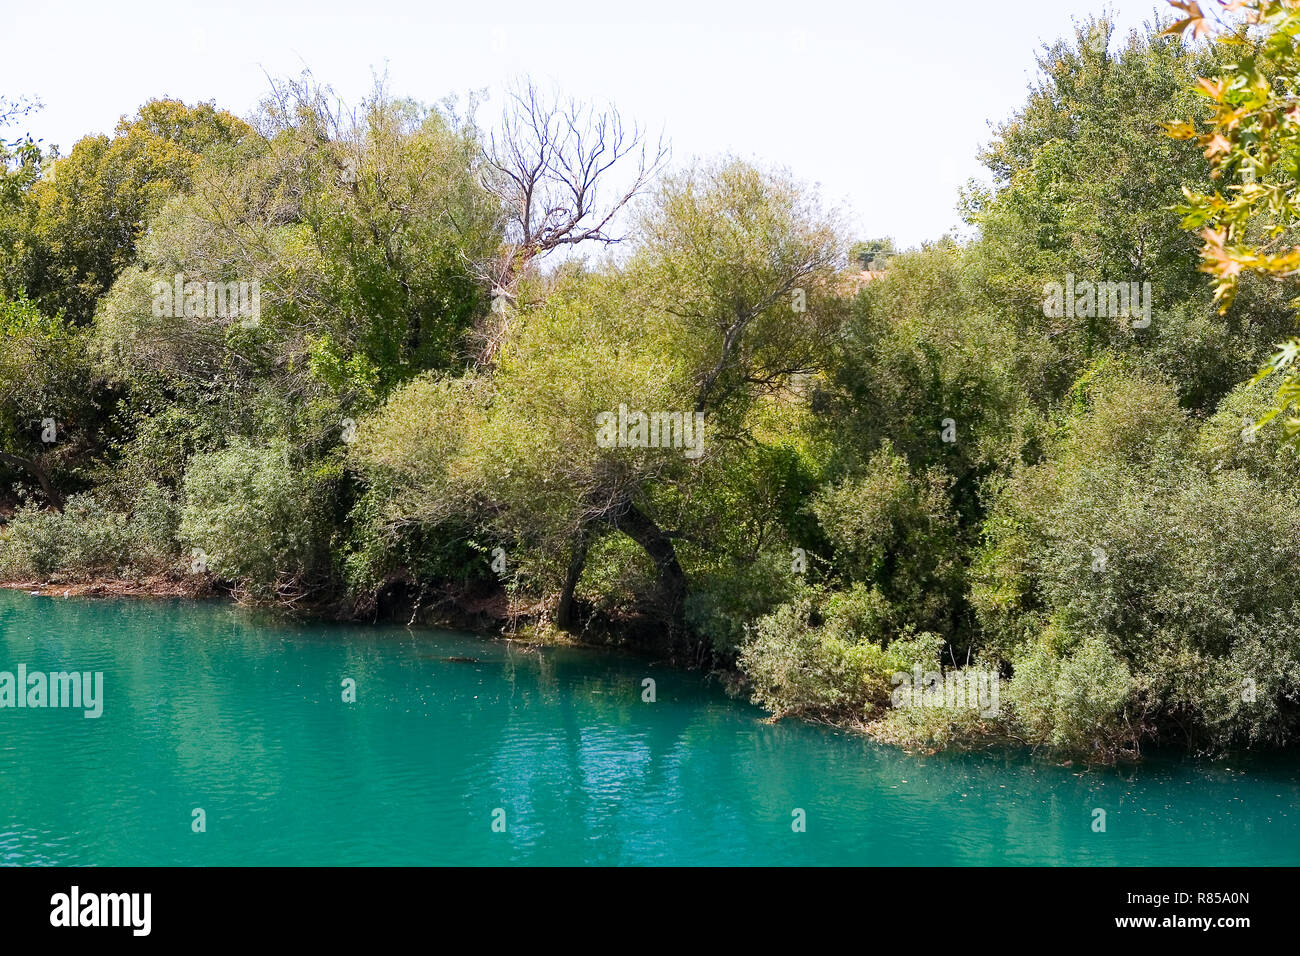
(1278, 264)
(1231, 119)
(1195, 20)
(1252, 131)
(1180, 129)
(1227, 264)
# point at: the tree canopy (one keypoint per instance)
(539, 378)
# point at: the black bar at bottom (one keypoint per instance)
(335, 906)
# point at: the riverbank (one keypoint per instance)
(918, 730)
(157, 586)
(485, 615)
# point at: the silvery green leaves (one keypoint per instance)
(352, 237)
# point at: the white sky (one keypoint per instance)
(882, 103)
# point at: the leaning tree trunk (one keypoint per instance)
(672, 580)
(33, 467)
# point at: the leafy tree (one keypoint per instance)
(728, 294)
(1086, 183)
(20, 169)
(89, 209)
(47, 412)
(1251, 138)
(355, 235)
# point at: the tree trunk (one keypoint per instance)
(564, 616)
(672, 580)
(32, 467)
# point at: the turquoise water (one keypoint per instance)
(207, 706)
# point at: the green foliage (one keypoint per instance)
(1074, 702)
(1137, 529)
(727, 595)
(260, 522)
(753, 543)
(90, 208)
(896, 530)
(938, 723)
(45, 393)
(88, 538)
(822, 658)
(1086, 183)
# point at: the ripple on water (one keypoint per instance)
(210, 708)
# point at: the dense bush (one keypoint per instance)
(1135, 539)
(1075, 702)
(88, 538)
(823, 657)
(896, 531)
(257, 520)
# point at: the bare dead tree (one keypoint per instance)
(546, 166)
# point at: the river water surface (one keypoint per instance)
(209, 707)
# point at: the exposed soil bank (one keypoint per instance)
(160, 586)
(488, 615)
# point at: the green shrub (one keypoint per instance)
(1073, 703)
(896, 531)
(1178, 546)
(813, 661)
(724, 601)
(944, 723)
(89, 538)
(258, 520)
(797, 669)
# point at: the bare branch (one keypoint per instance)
(547, 165)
